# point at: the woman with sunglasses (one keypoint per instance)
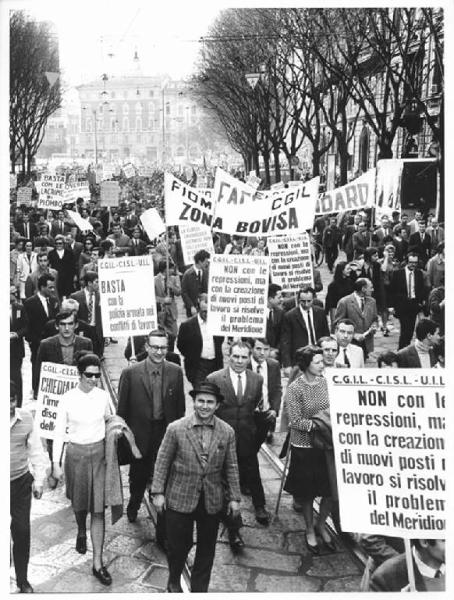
(84, 410)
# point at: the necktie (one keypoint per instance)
(239, 391)
(47, 306)
(199, 277)
(363, 303)
(311, 329)
(346, 361)
(156, 389)
(410, 285)
(90, 307)
(259, 368)
(437, 574)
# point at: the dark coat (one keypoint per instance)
(399, 299)
(274, 328)
(65, 268)
(392, 576)
(18, 324)
(240, 417)
(138, 249)
(37, 318)
(422, 247)
(274, 384)
(408, 358)
(295, 335)
(189, 343)
(83, 310)
(135, 399)
(191, 288)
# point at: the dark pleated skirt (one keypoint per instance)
(308, 474)
(85, 475)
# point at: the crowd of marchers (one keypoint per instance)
(196, 467)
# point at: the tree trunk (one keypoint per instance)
(266, 162)
(343, 163)
(255, 162)
(315, 163)
(277, 164)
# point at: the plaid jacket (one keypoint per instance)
(180, 474)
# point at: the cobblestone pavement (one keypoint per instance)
(275, 558)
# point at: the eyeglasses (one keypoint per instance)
(91, 375)
(158, 348)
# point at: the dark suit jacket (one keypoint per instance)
(181, 473)
(50, 350)
(33, 230)
(348, 308)
(408, 358)
(18, 324)
(392, 576)
(274, 384)
(190, 288)
(398, 287)
(55, 228)
(421, 247)
(83, 310)
(135, 399)
(295, 335)
(274, 328)
(189, 343)
(83, 329)
(138, 249)
(240, 417)
(37, 318)
(66, 270)
(360, 242)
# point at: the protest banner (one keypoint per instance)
(242, 211)
(290, 261)
(204, 191)
(107, 171)
(152, 223)
(237, 295)
(126, 286)
(52, 190)
(388, 187)
(194, 238)
(146, 171)
(359, 193)
(253, 180)
(82, 224)
(12, 181)
(110, 193)
(184, 204)
(24, 196)
(74, 190)
(55, 380)
(129, 170)
(389, 443)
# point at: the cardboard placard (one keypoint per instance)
(390, 450)
(195, 238)
(110, 193)
(152, 223)
(55, 380)
(24, 196)
(290, 261)
(52, 191)
(126, 286)
(237, 295)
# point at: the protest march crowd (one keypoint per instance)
(387, 271)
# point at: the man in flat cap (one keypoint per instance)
(196, 472)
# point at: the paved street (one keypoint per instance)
(275, 558)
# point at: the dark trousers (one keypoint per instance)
(15, 374)
(330, 256)
(407, 318)
(35, 375)
(141, 471)
(250, 477)
(20, 506)
(98, 342)
(179, 528)
(263, 426)
(204, 368)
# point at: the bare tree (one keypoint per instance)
(32, 98)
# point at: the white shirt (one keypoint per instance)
(358, 300)
(208, 352)
(44, 303)
(424, 569)
(264, 373)
(355, 356)
(84, 413)
(410, 282)
(60, 253)
(304, 314)
(234, 380)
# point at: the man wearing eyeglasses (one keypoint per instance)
(150, 396)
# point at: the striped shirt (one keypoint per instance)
(26, 447)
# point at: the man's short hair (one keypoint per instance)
(369, 252)
(327, 338)
(387, 358)
(64, 314)
(440, 248)
(306, 289)
(157, 333)
(162, 266)
(202, 298)
(43, 279)
(413, 254)
(70, 304)
(360, 283)
(89, 277)
(253, 341)
(273, 289)
(240, 344)
(201, 255)
(106, 245)
(345, 322)
(424, 328)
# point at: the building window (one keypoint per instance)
(138, 124)
(125, 124)
(364, 150)
(138, 107)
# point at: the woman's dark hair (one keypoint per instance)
(85, 359)
(304, 356)
(90, 239)
(387, 358)
(369, 252)
(339, 270)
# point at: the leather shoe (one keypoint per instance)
(262, 516)
(328, 543)
(314, 549)
(25, 588)
(102, 575)
(131, 514)
(81, 544)
(174, 588)
(236, 542)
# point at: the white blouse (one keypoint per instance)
(84, 413)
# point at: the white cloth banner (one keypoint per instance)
(389, 178)
(242, 211)
(237, 295)
(290, 261)
(76, 190)
(389, 444)
(55, 380)
(184, 204)
(152, 223)
(82, 224)
(194, 238)
(358, 194)
(51, 191)
(126, 286)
